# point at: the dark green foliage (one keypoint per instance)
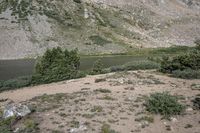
(185, 65)
(171, 50)
(56, 65)
(136, 65)
(97, 67)
(20, 9)
(141, 65)
(6, 125)
(54, 15)
(98, 40)
(190, 60)
(102, 90)
(187, 74)
(15, 83)
(164, 104)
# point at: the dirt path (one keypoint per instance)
(53, 88)
(76, 85)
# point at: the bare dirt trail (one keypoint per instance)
(70, 86)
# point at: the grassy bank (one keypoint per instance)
(146, 52)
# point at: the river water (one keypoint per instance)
(14, 68)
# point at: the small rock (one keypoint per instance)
(189, 109)
(165, 123)
(144, 124)
(78, 130)
(16, 130)
(173, 119)
(16, 110)
(195, 87)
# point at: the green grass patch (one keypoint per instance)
(151, 52)
(106, 129)
(103, 90)
(149, 119)
(97, 109)
(6, 125)
(98, 40)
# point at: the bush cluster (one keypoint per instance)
(186, 65)
(56, 65)
(164, 104)
(136, 65)
(15, 83)
(190, 60)
(187, 74)
(97, 68)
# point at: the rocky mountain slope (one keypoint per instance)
(28, 27)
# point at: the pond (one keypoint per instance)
(14, 68)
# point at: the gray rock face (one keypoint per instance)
(16, 110)
(39, 25)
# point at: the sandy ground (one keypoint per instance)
(81, 106)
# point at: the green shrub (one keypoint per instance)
(164, 104)
(171, 50)
(136, 65)
(106, 129)
(185, 65)
(116, 69)
(56, 65)
(190, 60)
(97, 68)
(15, 83)
(197, 42)
(186, 74)
(141, 65)
(6, 125)
(103, 90)
(100, 80)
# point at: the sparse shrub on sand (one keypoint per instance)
(164, 104)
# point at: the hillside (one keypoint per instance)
(28, 27)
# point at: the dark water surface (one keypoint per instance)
(14, 68)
